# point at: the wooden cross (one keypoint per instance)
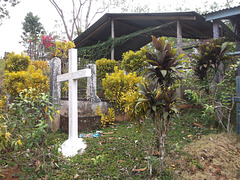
(73, 144)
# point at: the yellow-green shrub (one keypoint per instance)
(4, 135)
(16, 62)
(43, 65)
(106, 119)
(118, 83)
(61, 48)
(15, 82)
(105, 66)
(130, 101)
(134, 61)
(3, 100)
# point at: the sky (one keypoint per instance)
(11, 29)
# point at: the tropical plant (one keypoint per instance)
(17, 62)
(206, 63)
(4, 134)
(215, 81)
(159, 96)
(134, 61)
(60, 49)
(105, 66)
(15, 82)
(118, 83)
(106, 119)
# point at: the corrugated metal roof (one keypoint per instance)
(224, 14)
(194, 26)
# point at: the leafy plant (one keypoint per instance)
(206, 63)
(215, 82)
(42, 65)
(134, 61)
(4, 135)
(118, 83)
(29, 114)
(105, 66)
(60, 49)
(16, 62)
(15, 82)
(159, 96)
(106, 119)
(192, 95)
(99, 159)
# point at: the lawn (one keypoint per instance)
(120, 153)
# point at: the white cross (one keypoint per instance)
(73, 144)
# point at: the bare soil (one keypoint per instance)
(216, 156)
(11, 173)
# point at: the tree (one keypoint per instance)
(83, 13)
(32, 29)
(3, 8)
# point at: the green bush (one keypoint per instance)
(118, 83)
(106, 119)
(105, 66)
(29, 114)
(16, 62)
(4, 134)
(15, 82)
(134, 61)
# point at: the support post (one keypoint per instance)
(216, 30)
(92, 85)
(113, 36)
(55, 89)
(179, 49)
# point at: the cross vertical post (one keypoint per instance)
(73, 145)
(72, 97)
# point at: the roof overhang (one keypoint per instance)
(223, 14)
(193, 25)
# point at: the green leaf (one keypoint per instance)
(180, 56)
(165, 115)
(154, 108)
(164, 72)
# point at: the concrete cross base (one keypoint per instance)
(73, 146)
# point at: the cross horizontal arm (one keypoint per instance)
(84, 73)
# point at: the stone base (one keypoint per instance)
(73, 146)
(85, 123)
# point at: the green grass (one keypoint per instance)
(1, 66)
(111, 156)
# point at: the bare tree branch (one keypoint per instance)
(60, 12)
(82, 11)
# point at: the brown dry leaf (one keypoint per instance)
(108, 133)
(140, 170)
(198, 124)
(37, 163)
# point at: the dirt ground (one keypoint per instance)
(12, 173)
(216, 156)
